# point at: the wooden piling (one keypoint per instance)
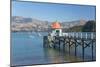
(59, 42)
(64, 43)
(92, 49)
(69, 45)
(54, 46)
(75, 48)
(44, 41)
(83, 49)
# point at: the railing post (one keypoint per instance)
(81, 35)
(76, 35)
(91, 35)
(73, 35)
(86, 35)
(69, 35)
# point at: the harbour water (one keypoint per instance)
(27, 49)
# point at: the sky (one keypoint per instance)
(52, 12)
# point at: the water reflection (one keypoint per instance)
(56, 56)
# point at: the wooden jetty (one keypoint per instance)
(60, 42)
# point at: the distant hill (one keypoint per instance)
(19, 19)
(90, 26)
(28, 24)
(73, 23)
(19, 23)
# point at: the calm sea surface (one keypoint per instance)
(27, 49)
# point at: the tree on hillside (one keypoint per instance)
(90, 26)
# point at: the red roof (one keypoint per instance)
(56, 25)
